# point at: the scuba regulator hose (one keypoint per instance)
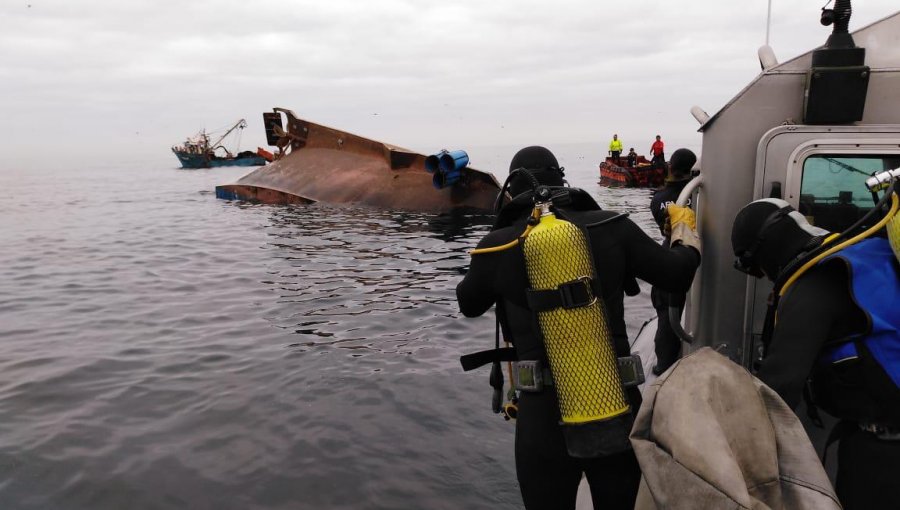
(895, 205)
(532, 220)
(830, 245)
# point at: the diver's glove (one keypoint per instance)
(683, 226)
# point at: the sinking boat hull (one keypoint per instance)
(329, 165)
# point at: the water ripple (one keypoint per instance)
(164, 349)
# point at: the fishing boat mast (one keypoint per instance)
(241, 124)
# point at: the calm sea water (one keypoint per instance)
(165, 349)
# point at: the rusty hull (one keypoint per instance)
(323, 164)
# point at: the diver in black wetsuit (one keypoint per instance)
(548, 475)
(838, 336)
(667, 343)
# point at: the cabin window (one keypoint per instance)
(833, 192)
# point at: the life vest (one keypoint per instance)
(875, 285)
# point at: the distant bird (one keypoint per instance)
(374, 114)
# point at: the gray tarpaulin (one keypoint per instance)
(710, 435)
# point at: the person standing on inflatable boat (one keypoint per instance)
(558, 267)
(658, 151)
(615, 149)
(836, 342)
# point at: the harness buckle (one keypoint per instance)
(577, 293)
(631, 371)
(529, 375)
(532, 376)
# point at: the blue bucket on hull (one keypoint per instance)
(444, 179)
(433, 162)
(453, 161)
(450, 165)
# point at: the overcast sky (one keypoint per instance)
(133, 77)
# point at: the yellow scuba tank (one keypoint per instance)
(577, 340)
(889, 180)
(893, 231)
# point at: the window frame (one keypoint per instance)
(829, 147)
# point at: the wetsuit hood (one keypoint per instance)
(768, 234)
(680, 164)
(540, 163)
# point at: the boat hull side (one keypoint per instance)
(194, 161)
(258, 195)
(645, 176)
(250, 161)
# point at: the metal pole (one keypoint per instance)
(768, 22)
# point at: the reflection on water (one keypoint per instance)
(164, 349)
(341, 264)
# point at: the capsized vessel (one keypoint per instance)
(318, 163)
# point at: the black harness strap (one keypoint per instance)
(812, 410)
(482, 358)
(572, 294)
(840, 430)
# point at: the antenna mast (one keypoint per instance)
(240, 124)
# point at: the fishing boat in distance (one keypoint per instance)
(199, 152)
(315, 163)
(642, 174)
